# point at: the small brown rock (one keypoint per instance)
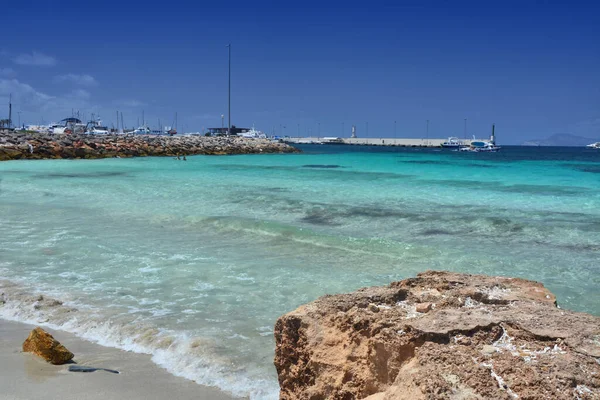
(373, 307)
(43, 344)
(423, 307)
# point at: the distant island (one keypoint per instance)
(561, 139)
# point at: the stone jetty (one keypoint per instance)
(19, 145)
(440, 335)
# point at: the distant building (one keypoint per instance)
(223, 131)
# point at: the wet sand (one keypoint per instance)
(26, 376)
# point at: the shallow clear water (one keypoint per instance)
(193, 261)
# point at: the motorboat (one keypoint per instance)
(253, 134)
(67, 126)
(453, 143)
(142, 130)
(594, 145)
(483, 146)
(95, 127)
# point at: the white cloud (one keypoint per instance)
(23, 94)
(38, 105)
(83, 79)
(7, 72)
(35, 58)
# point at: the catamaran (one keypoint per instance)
(488, 146)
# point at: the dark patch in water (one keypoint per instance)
(242, 167)
(544, 190)
(581, 247)
(436, 232)
(462, 183)
(333, 170)
(321, 166)
(81, 175)
(541, 190)
(591, 169)
(318, 218)
(378, 213)
(428, 162)
(505, 224)
(481, 165)
(449, 162)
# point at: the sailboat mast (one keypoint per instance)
(10, 111)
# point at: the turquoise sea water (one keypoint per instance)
(193, 261)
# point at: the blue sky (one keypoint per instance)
(530, 68)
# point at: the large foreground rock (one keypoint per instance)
(43, 344)
(476, 337)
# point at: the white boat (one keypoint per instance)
(57, 129)
(483, 146)
(67, 126)
(96, 128)
(142, 130)
(253, 134)
(453, 143)
(594, 145)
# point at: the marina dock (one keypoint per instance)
(400, 142)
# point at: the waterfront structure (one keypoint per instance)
(234, 130)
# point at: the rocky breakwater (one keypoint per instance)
(440, 335)
(15, 145)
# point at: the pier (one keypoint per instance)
(400, 142)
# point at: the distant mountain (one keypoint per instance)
(561, 139)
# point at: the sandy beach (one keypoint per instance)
(25, 376)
